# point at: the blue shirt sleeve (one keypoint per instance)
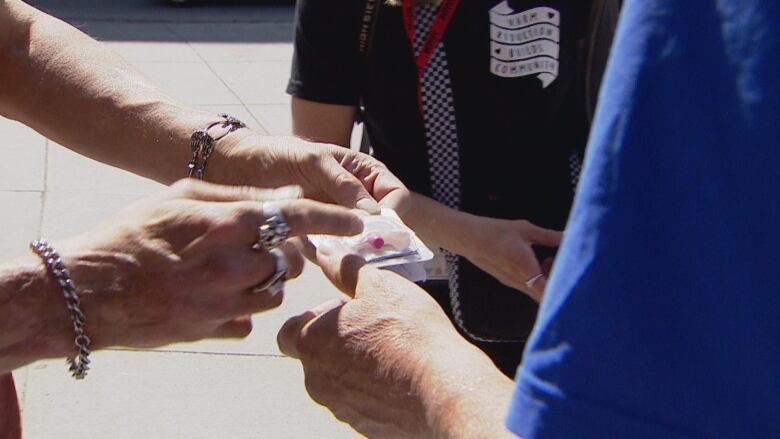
(662, 318)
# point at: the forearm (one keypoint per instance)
(80, 94)
(34, 323)
(466, 396)
(440, 225)
(462, 393)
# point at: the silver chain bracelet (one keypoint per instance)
(79, 365)
(202, 144)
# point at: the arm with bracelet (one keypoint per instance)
(78, 93)
(133, 281)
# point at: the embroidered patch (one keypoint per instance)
(525, 43)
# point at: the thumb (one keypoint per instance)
(346, 189)
(542, 236)
(340, 265)
(290, 334)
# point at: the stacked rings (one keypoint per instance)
(274, 231)
(271, 234)
(275, 282)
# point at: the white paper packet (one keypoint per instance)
(386, 242)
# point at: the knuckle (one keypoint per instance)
(220, 268)
(343, 181)
(245, 215)
(310, 159)
(517, 259)
(184, 187)
(237, 221)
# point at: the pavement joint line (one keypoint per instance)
(182, 351)
(46, 148)
(211, 69)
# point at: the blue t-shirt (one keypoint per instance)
(662, 319)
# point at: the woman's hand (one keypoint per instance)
(181, 266)
(504, 248)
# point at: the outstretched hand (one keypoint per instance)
(325, 172)
(180, 266)
(388, 361)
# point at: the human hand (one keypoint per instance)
(179, 266)
(504, 249)
(10, 422)
(389, 362)
(325, 172)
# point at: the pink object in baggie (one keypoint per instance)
(376, 241)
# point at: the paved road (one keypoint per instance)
(222, 56)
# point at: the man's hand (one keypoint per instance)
(325, 172)
(180, 266)
(503, 248)
(389, 362)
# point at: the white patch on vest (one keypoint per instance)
(525, 43)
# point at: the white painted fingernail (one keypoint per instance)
(276, 288)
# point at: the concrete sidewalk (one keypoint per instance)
(223, 56)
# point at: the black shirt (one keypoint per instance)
(517, 133)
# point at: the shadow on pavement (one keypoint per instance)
(162, 11)
(221, 21)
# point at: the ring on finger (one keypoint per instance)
(274, 230)
(532, 280)
(275, 282)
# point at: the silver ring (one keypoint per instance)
(274, 231)
(530, 282)
(275, 282)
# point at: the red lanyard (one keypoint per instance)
(440, 23)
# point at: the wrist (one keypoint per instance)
(231, 163)
(464, 394)
(464, 238)
(37, 325)
(440, 225)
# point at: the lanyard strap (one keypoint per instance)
(439, 26)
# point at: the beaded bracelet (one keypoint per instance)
(78, 365)
(202, 144)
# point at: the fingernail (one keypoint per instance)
(369, 205)
(356, 225)
(275, 289)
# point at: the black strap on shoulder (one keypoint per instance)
(603, 22)
(365, 46)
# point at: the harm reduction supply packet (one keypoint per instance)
(386, 242)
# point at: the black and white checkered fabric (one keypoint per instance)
(442, 140)
(575, 168)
